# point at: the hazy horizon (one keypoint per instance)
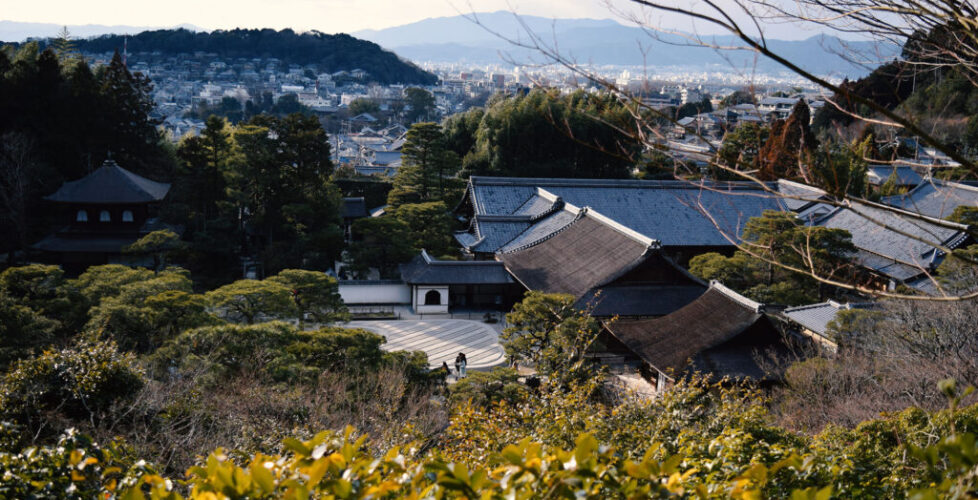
(327, 16)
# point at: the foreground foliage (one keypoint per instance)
(639, 450)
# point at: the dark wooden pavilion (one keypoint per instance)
(100, 214)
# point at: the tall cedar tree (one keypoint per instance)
(788, 151)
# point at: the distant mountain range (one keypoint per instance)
(606, 42)
(588, 41)
(13, 31)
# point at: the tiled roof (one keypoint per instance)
(935, 198)
(816, 317)
(584, 254)
(674, 212)
(542, 229)
(708, 322)
(425, 270)
(536, 205)
(639, 300)
(111, 184)
(494, 232)
(799, 196)
(897, 237)
(906, 175)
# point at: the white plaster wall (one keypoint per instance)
(375, 293)
(419, 293)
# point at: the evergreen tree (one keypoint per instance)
(65, 48)
(428, 170)
(129, 132)
(421, 101)
(788, 150)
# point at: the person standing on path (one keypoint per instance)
(460, 362)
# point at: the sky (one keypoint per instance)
(329, 16)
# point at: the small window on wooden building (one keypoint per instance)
(127, 216)
(104, 216)
(432, 298)
(81, 216)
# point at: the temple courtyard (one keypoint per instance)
(442, 340)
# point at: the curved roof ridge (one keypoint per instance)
(502, 217)
(557, 206)
(621, 228)
(810, 306)
(831, 303)
(757, 307)
(602, 219)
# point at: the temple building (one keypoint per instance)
(686, 218)
(443, 286)
(610, 269)
(99, 215)
(721, 332)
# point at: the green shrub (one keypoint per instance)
(78, 383)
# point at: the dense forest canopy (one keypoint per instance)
(330, 53)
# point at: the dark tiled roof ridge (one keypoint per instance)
(147, 190)
(133, 179)
(502, 218)
(945, 183)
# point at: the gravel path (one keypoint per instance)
(442, 340)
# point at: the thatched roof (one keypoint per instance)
(721, 323)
